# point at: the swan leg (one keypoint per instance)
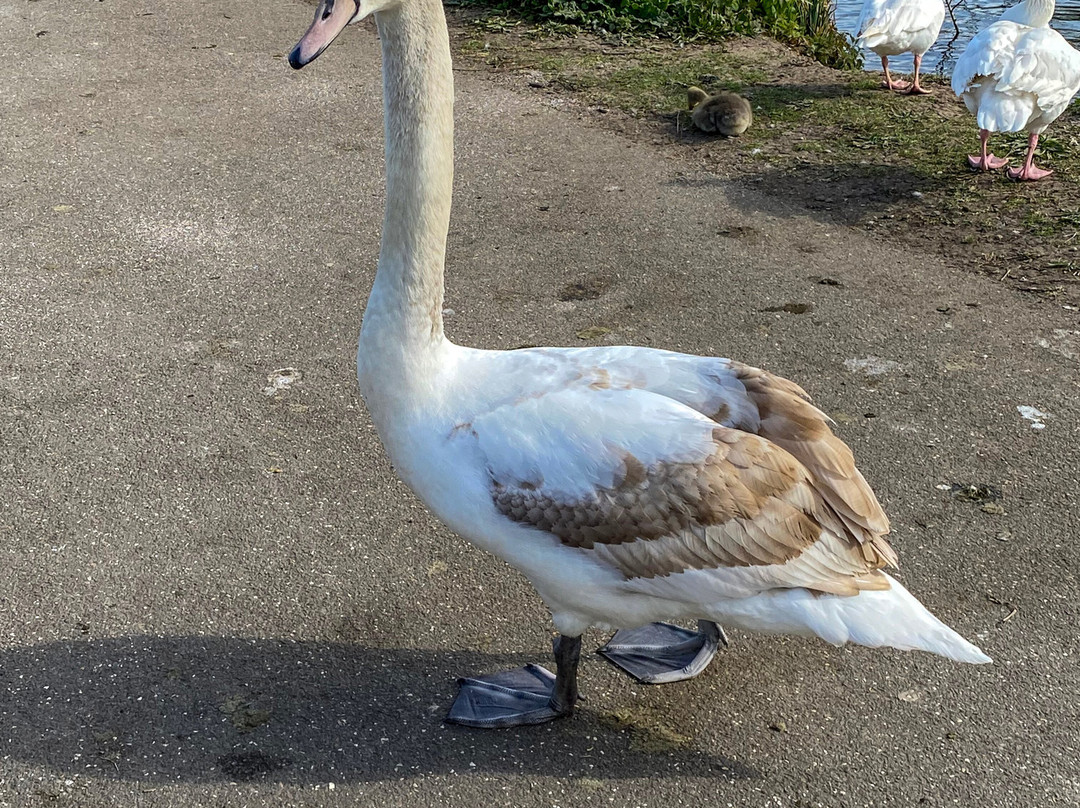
(985, 161)
(660, 652)
(915, 89)
(516, 698)
(889, 83)
(1029, 171)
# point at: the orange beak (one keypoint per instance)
(330, 17)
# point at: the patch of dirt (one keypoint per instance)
(586, 289)
(826, 143)
(245, 766)
(974, 492)
(791, 308)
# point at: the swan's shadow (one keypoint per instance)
(845, 194)
(166, 709)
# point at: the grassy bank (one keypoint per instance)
(827, 141)
(806, 24)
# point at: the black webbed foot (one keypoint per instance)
(660, 652)
(523, 696)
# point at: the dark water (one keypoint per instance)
(971, 17)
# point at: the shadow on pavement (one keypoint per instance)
(166, 709)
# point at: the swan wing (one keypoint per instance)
(986, 56)
(871, 18)
(649, 487)
(1044, 65)
(739, 397)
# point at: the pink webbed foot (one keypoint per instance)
(915, 89)
(893, 84)
(1029, 173)
(989, 163)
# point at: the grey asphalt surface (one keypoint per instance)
(214, 591)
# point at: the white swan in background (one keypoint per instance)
(892, 27)
(629, 485)
(1017, 74)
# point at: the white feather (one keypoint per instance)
(892, 618)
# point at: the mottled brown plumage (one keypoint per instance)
(749, 504)
(725, 114)
(789, 420)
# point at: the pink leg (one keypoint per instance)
(985, 161)
(889, 83)
(1029, 171)
(915, 89)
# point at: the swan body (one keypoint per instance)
(891, 27)
(1017, 74)
(628, 484)
(577, 466)
(726, 114)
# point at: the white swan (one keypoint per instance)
(629, 484)
(1017, 74)
(892, 27)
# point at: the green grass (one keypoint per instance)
(651, 84)
(807, 24)
(827, 137)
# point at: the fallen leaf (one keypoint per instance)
(593, 331)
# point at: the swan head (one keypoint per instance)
(331, 17)
(695, 96)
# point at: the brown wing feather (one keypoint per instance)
(790, 421)
(749, 505)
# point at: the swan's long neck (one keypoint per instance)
(403, 321)
(1034, 13)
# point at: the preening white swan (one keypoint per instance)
(1017, 74)
(892, 27)
(629, 484)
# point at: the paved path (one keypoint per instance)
(216, 593)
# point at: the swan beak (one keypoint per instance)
(330, 17)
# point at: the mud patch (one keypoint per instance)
(647, 732)
(244, 766)
(791, 308)
(975, 492)
(751, 235)
(587, 289)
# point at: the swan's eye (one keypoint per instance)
(328, 8)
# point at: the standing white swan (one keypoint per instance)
(892, 27)
(628, 484)
(1017, 74)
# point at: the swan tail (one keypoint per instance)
(890, 617)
